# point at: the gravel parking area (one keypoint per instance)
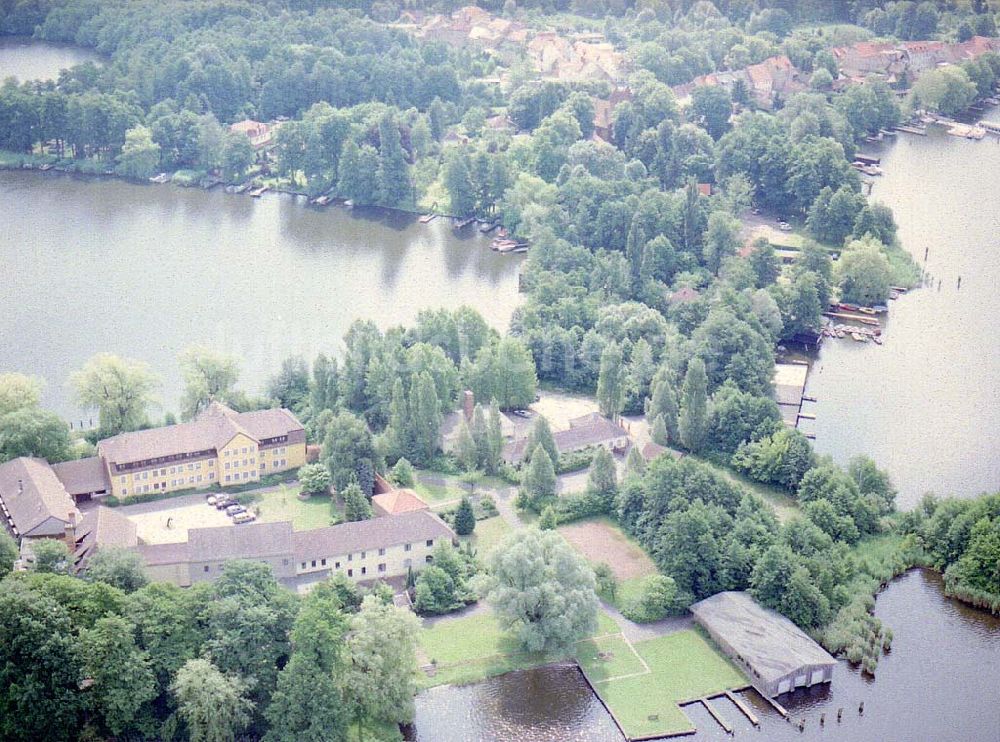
(168, 521)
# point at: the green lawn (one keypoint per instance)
(488, 535)
(683, 666)
(435, 493)
(607, 657)
(283, 504)
(471, 648)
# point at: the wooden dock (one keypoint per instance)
(716, 715)
(463, 223)
(738, 702)
(912, 130)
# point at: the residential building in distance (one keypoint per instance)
(33, 502)
(219, 446)
(380, 548)
(257, 132)
(587, 431)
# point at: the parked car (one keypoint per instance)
(211, 499)
(784, 226)
(224, 502)
(235, 509)
(244, 517)
(522, 413)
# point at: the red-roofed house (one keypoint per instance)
(258, 133)
(398, 501)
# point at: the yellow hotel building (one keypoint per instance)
(219, 446)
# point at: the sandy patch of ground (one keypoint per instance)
(152, 526)
(559, 408)
(602, 541)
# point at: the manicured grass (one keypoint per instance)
(436, 493)
(607, 657)
(683, 666)
(471, 648)
(283, 504)
(488, 535)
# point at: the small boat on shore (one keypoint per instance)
(463, 223)
(258, 191)
(858, 337)
(489, 227)
(161, 178)
(877, 340)
(349, 203)
(427, 218)
(866, 310)
(840, 334)
(321, 200)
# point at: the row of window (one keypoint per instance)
(156, 486)
(236, 477)
(163, 472)
(275, 451)
(251, 462)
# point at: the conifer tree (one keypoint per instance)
(539, 484)
(465, 518)
(611, 382)
(693, 421)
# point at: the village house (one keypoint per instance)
(257, 132)
(396, 502)
(587, 431)
(36, 504)
(381, 548)
(219, 446)
(603, 110)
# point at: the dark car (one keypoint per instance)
(224, 502)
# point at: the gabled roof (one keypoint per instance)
(83, 476)
(101, 528)
(589, 430)
(398, 501)
(211, 430)
(367, 535)
(771, 644)
(249, 541)
(34, 501)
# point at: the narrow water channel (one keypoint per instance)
(925, 405)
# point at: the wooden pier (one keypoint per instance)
(716, 715)
(738, 702)
(789, 390)
(463, 223)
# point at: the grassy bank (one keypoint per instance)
(643, 686)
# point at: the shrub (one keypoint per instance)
(654, 601)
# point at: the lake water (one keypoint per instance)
(548, 704)
(93, 265)
(940, 683)
(27, 59)
(925, 405)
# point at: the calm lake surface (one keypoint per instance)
(95, 265)
(27, 59)
(940, 683)
(926, 405)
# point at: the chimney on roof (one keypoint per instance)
(468, 404)
(70, 531)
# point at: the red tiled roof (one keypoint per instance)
(398, 501)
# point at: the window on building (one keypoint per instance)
(364, 554)
(303, 565)
(429, 558)
(156, 485)
(198, 478)
(191, 480)
(336, 565)
(381, 567)
(123, 480)
(407, 547)
(430, 542)
(350, 573)
(262, 466)
(364, 570)
(314, 562)
(227, 466)
(211, 475)
(284, 562)
(350, 557)
(124, 491)
(381, 552)
(246, 475)
(244, 450)
(206, 568)
(227, 477)
(322, 562)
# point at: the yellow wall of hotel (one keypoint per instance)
(208, 472)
